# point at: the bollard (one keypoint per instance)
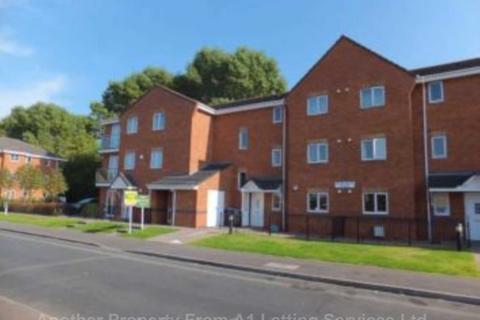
(459, 232)
(230, 223)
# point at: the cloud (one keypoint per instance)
(11, 47)
(45, 90)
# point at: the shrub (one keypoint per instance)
(91, 210)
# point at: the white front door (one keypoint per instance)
(257, 209)
(472, 214)
(215, 206)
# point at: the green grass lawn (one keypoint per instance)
(86, 225)
(443, 261)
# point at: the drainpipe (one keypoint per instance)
(426, 157)
(174, 206)
(284, 165)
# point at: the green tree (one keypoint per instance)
(6, 183)
(79, 171)
(29, 178)
(54, 183)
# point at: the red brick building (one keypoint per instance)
(359, 147)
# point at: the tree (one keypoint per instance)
(6, 183)
(54, 183)
(29, 178)
(79, 171)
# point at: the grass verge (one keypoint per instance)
(432, 260)
(86, 225)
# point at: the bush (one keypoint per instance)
(91, 210)
(42, 208)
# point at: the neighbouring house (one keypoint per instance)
(16, 153)
(359, 147)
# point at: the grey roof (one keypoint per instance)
(267, 183)
(21, 146)
(448, 179)
(452, 66)
(244, 102)
(193, 179)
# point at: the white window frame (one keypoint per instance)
(274, 207)
(130, 128)
(317, 145)
(125, 164)
(154, 121)
(442, 96)
(372, 96)
(243, 140)
(375, 204)
(375, 156)
(14, 157)
(317, 100)
(318, 195)
(277, 114)
(277, 151)
(442, 136)
(156, 150)
(435, 197)
(239, 174)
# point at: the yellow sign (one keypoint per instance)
(130, 198)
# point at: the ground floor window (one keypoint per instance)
(317, 202)
(375, 203)
(276, 202)
(441, 204)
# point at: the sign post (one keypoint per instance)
(143, 202)
(130, 199)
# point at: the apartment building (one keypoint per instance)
(359, 147)
(14, 154)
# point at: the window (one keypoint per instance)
(243, 139)
(441, 204)
(375, 203)
(439, 146)
(317, 105)
(129, 160)
(374, 149)
(156, 158)
(476, 208)
(241, 179)
(435, 92)
(14, 157)
(276, 157)
(132, 125)
(159, 121)
(317, 152)
(28, 159)
(317, 202)
(278, 114)
(372, 97)
(276, 202)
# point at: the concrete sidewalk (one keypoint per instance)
(450, 288)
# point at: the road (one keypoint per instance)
(69, 281)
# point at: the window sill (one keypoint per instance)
(375, 213)
(317, 212)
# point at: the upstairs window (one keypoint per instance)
(129, 160)
(441, 204)
(375, 203)
(159, 121)
(439, 146)
(317, 105)
(317, 202)
(435, 92)
(276, 157)
(372, 97)
(278, 114)
(14, 157)
(132, 125)
(243, 139)
(317, 152)
(156, 158)
(374, 149)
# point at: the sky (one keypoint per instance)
(66, 51)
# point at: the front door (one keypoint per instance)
(215, 203)
(472, 214)
(257, 209)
